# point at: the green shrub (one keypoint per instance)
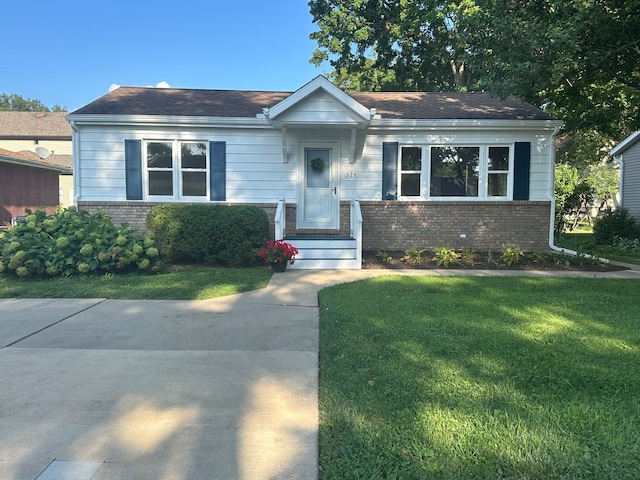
(413, 256)
(227, 235)
(468, 256)
(615, 225)
(511, 255)
(72, 242)
(445, 256)
(384, 256)
(538, 257)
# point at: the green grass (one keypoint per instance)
(187, 282)
(480, 378)
(582, 241)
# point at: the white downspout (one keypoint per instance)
(619, 161)
(552, 180)
(76, 161)
(552, 246)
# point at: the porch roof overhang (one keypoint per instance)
(357, 116)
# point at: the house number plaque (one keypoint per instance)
(351, 175)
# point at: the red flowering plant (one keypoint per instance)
(278, 251)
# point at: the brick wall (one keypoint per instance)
(292, 231)
(395, 225)
(135, 213)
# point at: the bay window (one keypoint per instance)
(456, 171)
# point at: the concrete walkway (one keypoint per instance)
(127, 389)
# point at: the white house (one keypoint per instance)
(627, 154)
(336, 172)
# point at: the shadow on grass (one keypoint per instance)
(467, 378)
(186, 282)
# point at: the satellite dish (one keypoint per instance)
(42, 152)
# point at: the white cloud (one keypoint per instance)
(161, 84)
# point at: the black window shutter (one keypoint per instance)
(133, 167)
(522, 163)
(217, 174)
(390, 170)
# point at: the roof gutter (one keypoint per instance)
(464, 124)
(166, 120)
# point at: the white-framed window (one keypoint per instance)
(456, 172)
(410, 171)
(176, 169)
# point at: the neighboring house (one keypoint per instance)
(46, 134)
(336, 172)
(27, 181)
(627, 154)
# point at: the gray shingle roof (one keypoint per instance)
(36, 125)
(242, 103)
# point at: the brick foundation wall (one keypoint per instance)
(135, 213)
(394, 225)
(344, 229)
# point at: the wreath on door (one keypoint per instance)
(317, 165)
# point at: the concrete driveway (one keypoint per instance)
(122, 389)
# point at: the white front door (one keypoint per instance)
(319, 204)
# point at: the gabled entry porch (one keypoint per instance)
(336, 249)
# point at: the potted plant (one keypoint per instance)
(278, 254)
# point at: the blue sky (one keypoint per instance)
(69, 52)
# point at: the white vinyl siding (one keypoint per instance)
(256, 171)
(319, 108)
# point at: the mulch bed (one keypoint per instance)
(550, 262)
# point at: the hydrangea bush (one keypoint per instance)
(72, 242)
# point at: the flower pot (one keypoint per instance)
(279, 266)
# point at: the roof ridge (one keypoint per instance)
(201, 89)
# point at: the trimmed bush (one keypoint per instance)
(72, 242)
(614, 226)
(228, 235)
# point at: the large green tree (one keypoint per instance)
(393, 44)
(16, 103)
(579, 59)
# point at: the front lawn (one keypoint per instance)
(186, 282)
(480, 378)
(582, 241)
